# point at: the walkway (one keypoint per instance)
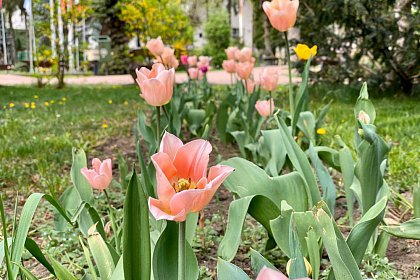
(214, 77)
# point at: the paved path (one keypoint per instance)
(214, 77)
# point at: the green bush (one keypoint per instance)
(217, 33)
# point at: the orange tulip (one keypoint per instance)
(244, 69)
(183, 185)
(229, 66)
(251, 85)
(156, 85)
(269, 79)
(265, 107)
(281, 13)
(231, 52)
(155, 46)
(168, 58)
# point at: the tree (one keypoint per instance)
(365, 39)
(147, 19)
(217, 33)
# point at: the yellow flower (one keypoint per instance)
(303, 52)
(27, 105)
(126, 103)
(321, 131)
(104, 125)
(36, 96)
(46, 103)
(64, 99)
(11, 104)
(307, 265)
(33, 105)
(52, 101)
(110, 101)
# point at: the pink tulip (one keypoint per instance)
(229, 66)
(271, 274)
(250, 85)
(156, 85)
(203, 61)
(184, 59)
(265, 107)
(155, 46)
(192, 61)
(231, 52)
(193, 73)
(269, 79)
(364, 117)
(281, 13)
(244, 55)
(244, 69)
(183, 185)
(168, 58)
(100, 176)
(204, 69)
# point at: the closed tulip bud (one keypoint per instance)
(192, 61)
(244, 69)
(193, 73)
(244, 55)
(281, 13)
(307, 266)
(364, 117)
(156, 85)
(250, 85)
(269, 79)
(231, 52)
(203, 61)
(229, 66)
(303, 52)
(184, 59)
(100, 176)
(265, 107)
(155, 46)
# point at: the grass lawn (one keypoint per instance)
(35, 143)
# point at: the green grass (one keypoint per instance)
(35, 144)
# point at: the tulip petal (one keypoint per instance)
(270, 274)
(96, 164)
(165, 164)
(190, 200)
(192, 160)
(106, 168)
(159, 211)
(153, 91)
(101, 182)
(170, 145)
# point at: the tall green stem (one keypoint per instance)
(182, 246)
(113, 223)
(271, 97)
(291, 95)
(158, 126)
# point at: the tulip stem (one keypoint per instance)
(182, 245)
(113, 223)
(158, 126)
(291, 95)
(271, 97)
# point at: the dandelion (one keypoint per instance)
(52, 101)
(105, 125)
(110, 101)
(27, 105)
(46, 103)
(321, 131)
(33, 105)
(36, 96)
(11, 104)
(126, 103)
(64, 99)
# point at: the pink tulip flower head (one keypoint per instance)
(250, 85)
(271, 274)
(244, 55)
(184, 59)
(229, 66)
(265, 107)
(183, 185)
(192, 61)
(193, 73)
(156, 85)
(281, 13)
(231, 53)
(100, 176)
(203, 61)
(244, 69)
(204, 69)
(155, 46)
(269, 79)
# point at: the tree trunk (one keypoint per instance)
(12, 41)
